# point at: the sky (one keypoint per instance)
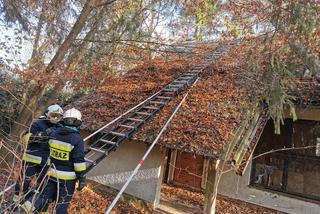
(13, 46)
(17, 55)
(16, 45)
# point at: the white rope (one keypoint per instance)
(148, 151)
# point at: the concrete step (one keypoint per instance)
(170, 207)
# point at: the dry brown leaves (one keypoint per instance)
(206, 120)
(89, 202)
(203, 125)
(120, 94)
(308, 92)
(224, 205)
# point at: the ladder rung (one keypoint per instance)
(185, 78)
(135, 119)
(126, 126)
(169, 90)
(173, 87)
(157, 102)
(108, 141)
(162, 97)
(180, 81)
(176, 86)
(90, 161)
(98, 150)
(143, 113)
(118, 134)
(151, 107)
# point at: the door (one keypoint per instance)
(188, 170)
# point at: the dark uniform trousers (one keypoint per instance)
(32, 171)
(61, 191)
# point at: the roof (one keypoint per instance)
(207, 120)
(308, 92)
(124, 92)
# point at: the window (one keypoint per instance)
(295, 171)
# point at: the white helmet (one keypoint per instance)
(54, 113)
(72, 117)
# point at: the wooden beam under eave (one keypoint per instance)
(307, 113)
(211, 190)
(172, 165)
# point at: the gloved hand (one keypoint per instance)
(81, 183)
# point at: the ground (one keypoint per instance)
(194, 200)
(173, 200)
(90, 202)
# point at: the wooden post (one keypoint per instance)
(211, 187)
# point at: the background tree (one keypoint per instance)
(73, 43)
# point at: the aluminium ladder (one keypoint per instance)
(124, 129)
(129, 124)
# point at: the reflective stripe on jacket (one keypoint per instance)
(63, 175)
(66, 154)
(32, 158)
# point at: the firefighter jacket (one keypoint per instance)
(66, 154)
(37, 141)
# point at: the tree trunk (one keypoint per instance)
(26, 114)
(76, 29)
(211, 190)
(78, 54)
(50, 98)
(35, 51)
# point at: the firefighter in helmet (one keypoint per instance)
(67, 165)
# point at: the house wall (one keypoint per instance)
(237, 187)
(118, 166)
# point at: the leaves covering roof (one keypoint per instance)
(206, 121)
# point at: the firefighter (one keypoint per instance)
(67, 165)
(37, 153)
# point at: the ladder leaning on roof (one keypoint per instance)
(128, 123)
